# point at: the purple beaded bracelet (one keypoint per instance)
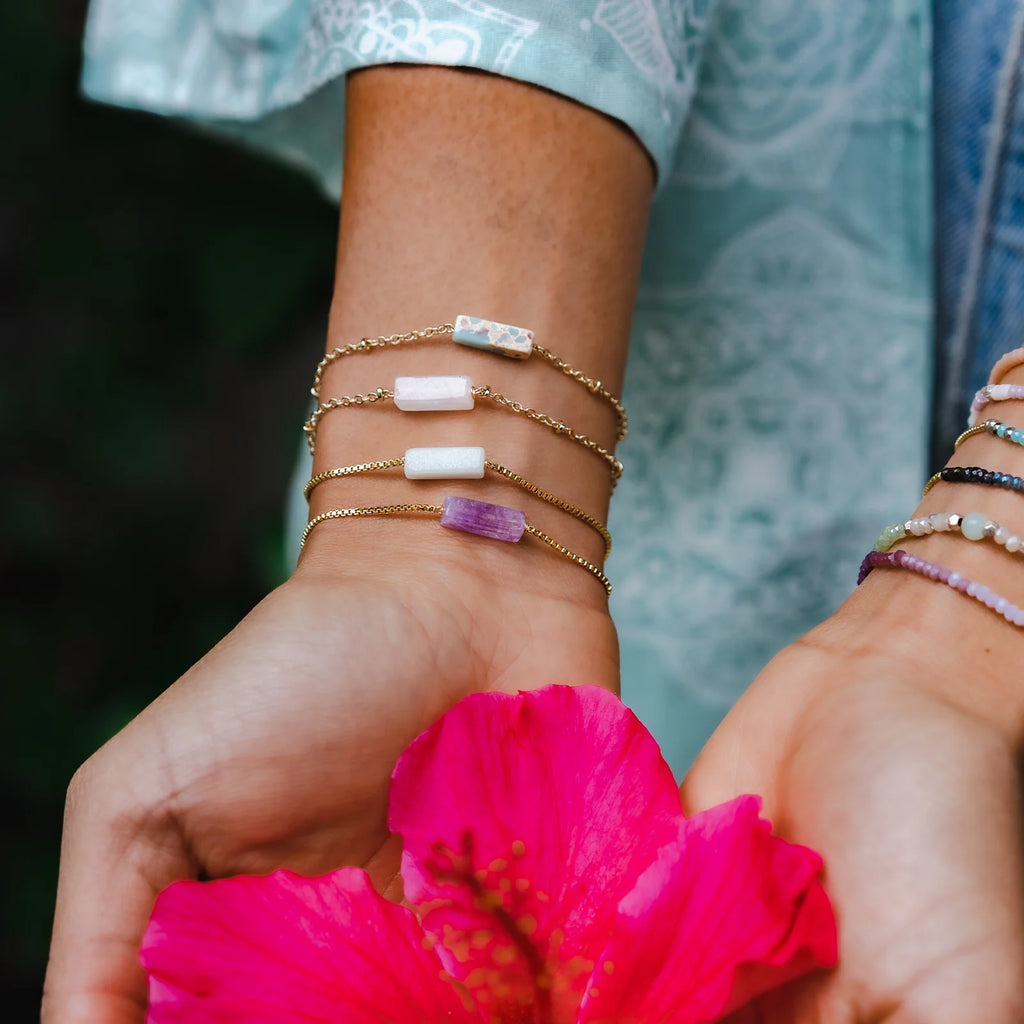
(900, 559)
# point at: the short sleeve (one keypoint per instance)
(271, 72)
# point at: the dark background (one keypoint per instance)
(163, 300)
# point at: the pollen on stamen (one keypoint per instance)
(498, 865)
(527, 924)
(522, 884)
(518, 848)
(608, 967)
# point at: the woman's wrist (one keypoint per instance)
(947, 642)
(508, 203)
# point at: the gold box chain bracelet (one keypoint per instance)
(453, 515)
(516, 478)
(485, 330)
(485, 392)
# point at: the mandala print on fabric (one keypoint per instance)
(749, 434)
(350, 33)
(662, 38)
(783, 83)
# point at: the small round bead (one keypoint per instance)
(1013, 543)
(1001, 535)
(1001, 605)
(973, 526)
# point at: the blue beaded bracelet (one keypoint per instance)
(1004, 431)
(976, 475)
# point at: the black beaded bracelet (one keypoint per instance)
(976, 475)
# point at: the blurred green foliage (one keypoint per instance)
(162, 303)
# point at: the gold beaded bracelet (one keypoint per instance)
(469, 516)
(459, 393)
(1004, 431)
(481, 463)
(502, 339)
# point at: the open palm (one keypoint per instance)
(916, 806)
(276, 750)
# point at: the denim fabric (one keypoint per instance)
(979, 178)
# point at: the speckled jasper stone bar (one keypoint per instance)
(514, 342)
(481, 517)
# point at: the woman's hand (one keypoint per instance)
(276, 749)
(911, 790)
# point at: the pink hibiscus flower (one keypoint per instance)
(553, 878)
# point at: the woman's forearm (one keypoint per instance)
(468, 193)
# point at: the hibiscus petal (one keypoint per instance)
(727, 912)
(525, 820)
(280, 948)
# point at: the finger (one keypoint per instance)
(115, 858)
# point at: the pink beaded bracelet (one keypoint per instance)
(992, 393)
(900, 559)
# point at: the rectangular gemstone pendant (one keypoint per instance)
(444, 463)
(506, 340)
(481, 517)
(433, 394)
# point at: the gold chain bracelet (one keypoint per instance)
(532, 488)
(455, 517)
(483, 329)
(483, 392)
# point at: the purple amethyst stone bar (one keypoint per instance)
(483, 518)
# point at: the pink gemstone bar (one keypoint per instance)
(481, 517)
(506, 340)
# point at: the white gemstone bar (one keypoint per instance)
(506, 340)
(433, 394)
(444, 463)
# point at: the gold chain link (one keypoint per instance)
(368, 344)
(436, 510)
(572, 556)
(595, 387)
(516, 478)
(483, 391)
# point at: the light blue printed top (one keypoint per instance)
(780, 367)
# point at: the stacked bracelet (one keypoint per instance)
(488, 335)
(901, 559)
(975, 475)
(452, 393)
(469, 516)
(1004, 431)
(993, 393)
(973, 526)
(456, 463)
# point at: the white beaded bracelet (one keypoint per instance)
(973, 526)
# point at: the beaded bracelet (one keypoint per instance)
(993, 393)
(470, 516)
(488, 335)
(445, 394)
(455, 463)
(900, 559)
(1004, 431)
(975, 475)
(973, 526)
